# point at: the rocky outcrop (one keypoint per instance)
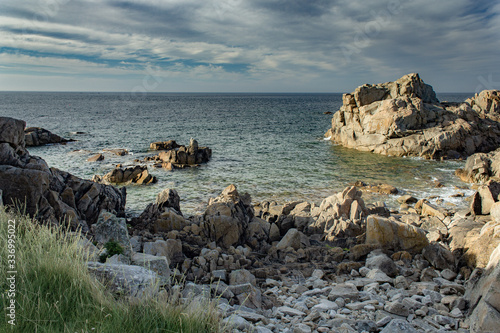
(227, 217)
(36, 136)
(162, 216)
(486, 104)
(480, 167)
(48, 193)
(175, 156)
(136, 175)
(404, 118)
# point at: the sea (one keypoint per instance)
(269, 145)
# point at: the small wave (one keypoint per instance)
(328, 138)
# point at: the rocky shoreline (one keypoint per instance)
(344, 265)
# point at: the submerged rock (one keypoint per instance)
(404, 118)
(37, 136)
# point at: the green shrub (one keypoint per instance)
(55, 292)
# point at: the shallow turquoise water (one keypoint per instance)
(270, 145)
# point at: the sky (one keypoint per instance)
(146, 46)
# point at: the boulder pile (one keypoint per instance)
(48, 193)
(339, 266)
(404, 118)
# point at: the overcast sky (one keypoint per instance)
(247, 45)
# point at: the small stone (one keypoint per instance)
(379, 276)
(237, 322)
(344, 290)
(302, 328)
(399, 326)
(456, 313)
(384, 321)
(444, 320)
(290, 311)
(397, 308)
(448, 274)
(318, 274)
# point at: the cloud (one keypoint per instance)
(325, 45)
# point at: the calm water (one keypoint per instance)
(270, 145)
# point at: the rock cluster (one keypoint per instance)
(404, 118)
(136, 175)
(51, 194)
(36, 136)
(173, 155)
(279, 268)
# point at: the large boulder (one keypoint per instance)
(340, 216)
(404, 118)
(394, 235)
(485, 197)
(50, 194)
(126, 280)
(480, 167)
(111, 228)
(36, 136)
(162, 216)
(227, 217)
(484, 297)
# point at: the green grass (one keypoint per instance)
(55, 293)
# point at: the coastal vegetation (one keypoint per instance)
(54, 291)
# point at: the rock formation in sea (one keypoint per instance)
(175, 156)
(132, 175)
(36, 136)
(404, 118)
(48, 193)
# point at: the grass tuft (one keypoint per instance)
(55, 292)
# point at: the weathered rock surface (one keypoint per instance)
(486, 104)
(227, 217)
(128, 280)
(50, 194)
(137, 175)
(404, 118)
(484, 297)
(480, 167)
(394, 235)
(111, 228)
(162, 216)
(36, 136)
